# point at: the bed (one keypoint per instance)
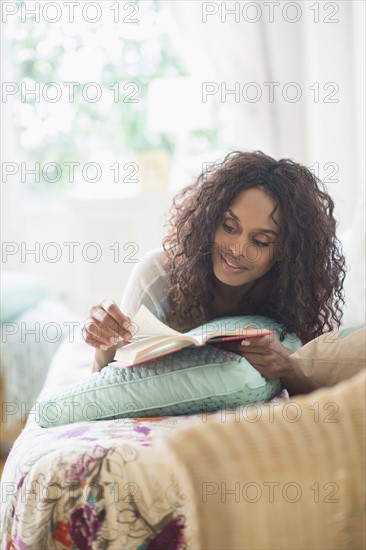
(93, 485)
(119, 484)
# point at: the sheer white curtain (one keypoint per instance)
(320, 56)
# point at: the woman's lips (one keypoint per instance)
(231, 268)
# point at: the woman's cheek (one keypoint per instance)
(269, 260)
(263, 261)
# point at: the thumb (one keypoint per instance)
(264, 340)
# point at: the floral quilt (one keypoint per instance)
(105, 485)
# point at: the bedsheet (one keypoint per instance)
(96, 485)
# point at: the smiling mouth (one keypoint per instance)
(231, 266)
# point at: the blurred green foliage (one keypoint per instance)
(80, 129)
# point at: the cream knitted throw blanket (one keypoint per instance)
(290, 476)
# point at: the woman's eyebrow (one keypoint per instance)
(233, 215)
(261, 230)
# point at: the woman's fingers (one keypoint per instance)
(112, 319)
(260, 342)
(106, 324)
(113, 312)
(87, 333)
(95, 335)
(266, 353)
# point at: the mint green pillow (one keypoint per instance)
(346, 331)
(20, 292)
(186, 382)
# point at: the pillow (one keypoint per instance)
(332, 357)
(189, 381)
(19, 292)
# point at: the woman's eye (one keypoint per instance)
(228, 228)
(260, 243)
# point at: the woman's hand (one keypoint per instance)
(105, 325)
(271, 359)
(103, 328)
(265, 353)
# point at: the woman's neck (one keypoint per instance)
(229, 299)
(232, 293)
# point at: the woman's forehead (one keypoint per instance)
(255, 204)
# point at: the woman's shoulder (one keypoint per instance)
(147, 285)
(152, 263)
(149, 272)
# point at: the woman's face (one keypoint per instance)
(245, 240)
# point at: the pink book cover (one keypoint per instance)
(216, 340)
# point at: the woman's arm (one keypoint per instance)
(146, 285)
(271, 358)
(297, 383)
(102, 358)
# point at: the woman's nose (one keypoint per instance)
(236, 249)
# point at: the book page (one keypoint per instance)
(151, 347)
(128, 352)
(146, 324)
(216, 330)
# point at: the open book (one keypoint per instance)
(152, 338)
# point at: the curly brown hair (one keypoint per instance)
(304, 288)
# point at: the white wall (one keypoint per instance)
(107, 235)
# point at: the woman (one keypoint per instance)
(252, 236)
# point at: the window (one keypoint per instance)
(96, 92)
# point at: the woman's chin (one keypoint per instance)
(228, 279)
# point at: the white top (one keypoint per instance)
(147, 285)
